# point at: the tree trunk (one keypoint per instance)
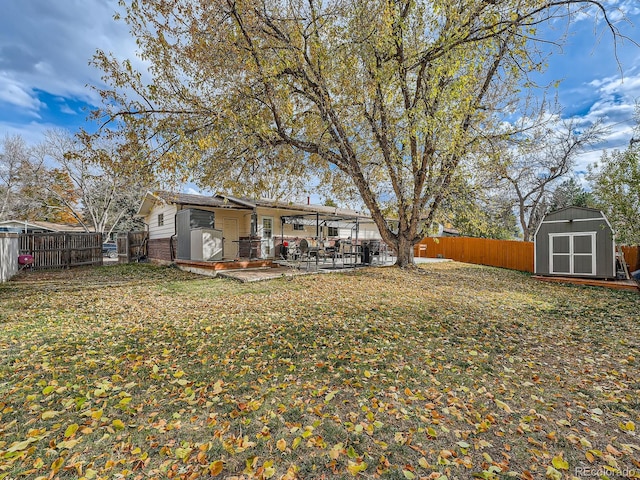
(404, 251)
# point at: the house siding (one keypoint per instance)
(168, 228)
(159, 235)
(369, 231)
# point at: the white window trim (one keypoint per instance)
(266, 217)
(336, 231)
(571, 254)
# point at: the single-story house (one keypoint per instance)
(221, 227)
(575, 242)
(37, 226)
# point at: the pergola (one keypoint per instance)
(322, 220)
(319, 220)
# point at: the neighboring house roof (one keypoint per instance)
(228, 201)
(19, 225)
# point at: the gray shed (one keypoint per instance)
(575, 242)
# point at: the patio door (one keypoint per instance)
(572, 253)
(266, 235)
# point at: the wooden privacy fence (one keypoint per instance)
(132, 246)
(496, 253)
(632, 256)
(62, 250)
(483, 251)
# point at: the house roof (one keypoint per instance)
(228, 201)
(311, 209)
(40, 225)
(216, 201)
(198, 200)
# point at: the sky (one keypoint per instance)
(46, 79)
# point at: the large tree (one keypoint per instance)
(17, 166)
(475, 209)
(571, 193)
(105, 185)
(615, 183)
(534, 162)
(386, 97)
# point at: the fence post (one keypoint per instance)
(99, 252)
(67, 250)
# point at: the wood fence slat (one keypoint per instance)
(509, 254)
(632, 256)
(62, 250)
(132, 246)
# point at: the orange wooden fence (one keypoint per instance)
(483, 251)
(632, 257)
(496, 253)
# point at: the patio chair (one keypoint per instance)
(306, 251)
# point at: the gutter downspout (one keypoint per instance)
(175, 233)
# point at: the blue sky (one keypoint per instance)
(45, 47)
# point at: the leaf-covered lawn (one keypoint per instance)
(455, 372)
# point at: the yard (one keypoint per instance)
(458, 371)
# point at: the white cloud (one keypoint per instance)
(47, 45)
(614, 105)
(32, 132)
(615, 99)
(618, 11)
(67, 109)
(13, 93)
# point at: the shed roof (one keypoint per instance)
(594, 212)
(569, 214)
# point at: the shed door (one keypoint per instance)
(572, 253)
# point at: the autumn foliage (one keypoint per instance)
(457, 371)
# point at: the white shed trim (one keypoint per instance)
(576, 220)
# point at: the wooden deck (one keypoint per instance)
(630, 285)
(226, 265)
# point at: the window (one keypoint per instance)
(298, 226)
(267, 227)
(160, 219)
(332, 232)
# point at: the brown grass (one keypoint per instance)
(147, 372)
